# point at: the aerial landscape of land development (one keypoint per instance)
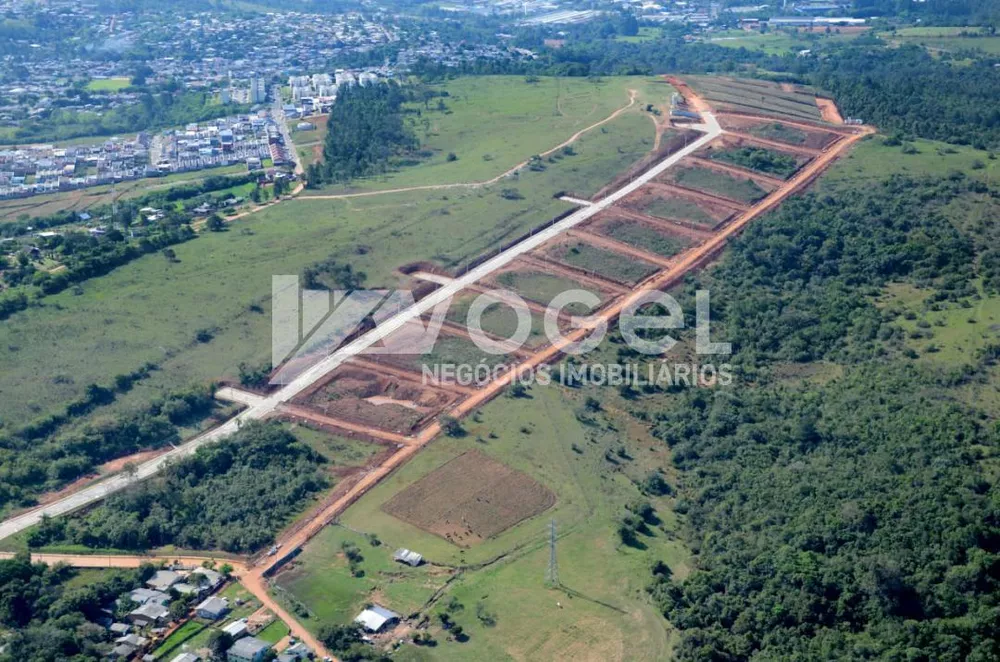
(422, 330)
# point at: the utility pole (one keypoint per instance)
(552, 573)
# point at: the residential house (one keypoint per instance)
(237, 629)
(148, 614)
(248, 649)
(212, 608)
(163, 580)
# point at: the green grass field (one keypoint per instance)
(616, 266)
(645, 237)
(498, 319)
(944, 38)
(779, 132)
(107, 84)
(543, 437)
(681, 210)
(871, 159)
(542, 287)
(775, 42)
(493, 123)
(151, 309)
(719, 183)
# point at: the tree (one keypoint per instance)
(215, 223)
(219, 642)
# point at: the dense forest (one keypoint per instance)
(369, 132)
(233, 495)
(47, 619)
(854, 517)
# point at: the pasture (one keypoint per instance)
(591, 462)
(493, 123)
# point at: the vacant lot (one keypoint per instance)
(756, 96)
(470, 499)
(717, 183)
(542, 287)
(643, 236)
(759, 159)
(499, 319)
(382, 402)
(603, 262)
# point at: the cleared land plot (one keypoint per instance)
(370, 399)
(86, 198)
(446, 350)
(469, 499)
(341, 452)
(642, 235)
(601, 261)
(756, 96)
(542, 287)
(766, 161)
(718, 183)
(795, 136)
(678, 207)
(498, 319)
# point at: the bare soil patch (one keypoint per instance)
(381, 401)
(469, 499)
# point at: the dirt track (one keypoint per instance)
(828, 109)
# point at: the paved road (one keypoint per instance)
(267, 405)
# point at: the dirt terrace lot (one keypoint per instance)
(469, 499)
(679, 206)
(381, 401)
(601, 261)
(541, 286)
(756, 96)
(797, 136)
(644, 236)
(738, 189)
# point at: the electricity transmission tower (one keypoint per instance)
(552, 573)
